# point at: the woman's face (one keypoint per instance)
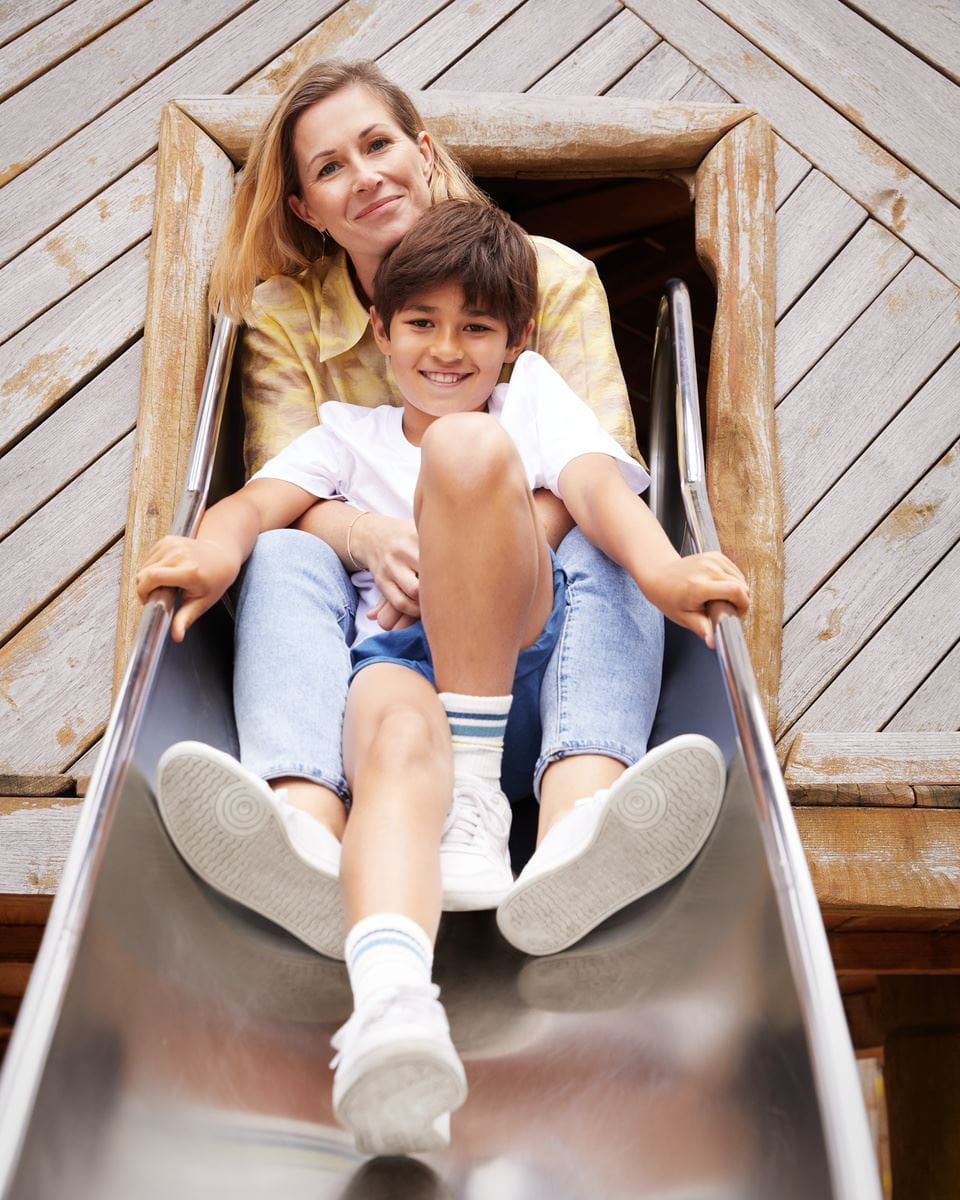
(361, 178)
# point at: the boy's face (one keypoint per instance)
(446, 357)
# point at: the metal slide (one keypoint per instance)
(172, 1046)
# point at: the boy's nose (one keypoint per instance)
(446, 346)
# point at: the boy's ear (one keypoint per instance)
(513, 352)
(380, 335)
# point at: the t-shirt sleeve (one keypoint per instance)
(279, 398)
(565, 428)
(572, 331)
(315, 461)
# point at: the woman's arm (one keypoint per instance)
(624, 528)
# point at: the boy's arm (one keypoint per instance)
(205, 566)
(623, 527)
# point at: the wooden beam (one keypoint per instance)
(735, 240)
(884, 952)
(818, 758)
(194, 188)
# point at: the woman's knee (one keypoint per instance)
(466, 453)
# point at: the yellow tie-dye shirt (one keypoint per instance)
(309, 340)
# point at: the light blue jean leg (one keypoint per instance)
(295, 621)
(600, 692)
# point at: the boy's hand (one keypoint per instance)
(389, 549)
(203, 570)
(684, 589)
(387, 617)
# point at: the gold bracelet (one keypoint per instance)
(356, 565)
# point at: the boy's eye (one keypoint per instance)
(476, 327)
(419, 322)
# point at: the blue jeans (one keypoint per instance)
(295, 622)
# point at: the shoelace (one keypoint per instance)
(476, 808)
(416, 1002)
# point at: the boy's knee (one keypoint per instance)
(405, 737)
(469, 451)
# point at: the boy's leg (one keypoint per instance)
(398, 1075)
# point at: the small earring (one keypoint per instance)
(323, 245)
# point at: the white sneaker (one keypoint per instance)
(246, 841)
(616, 846)
(398, 1077)
(474, 852)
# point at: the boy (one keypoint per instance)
(429, 705)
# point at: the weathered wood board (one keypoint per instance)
(601, 60)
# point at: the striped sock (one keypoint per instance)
(387, 950)
(477, 726)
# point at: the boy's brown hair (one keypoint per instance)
(476, 246)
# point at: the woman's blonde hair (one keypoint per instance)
(264, 237)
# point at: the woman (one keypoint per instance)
(340, 172)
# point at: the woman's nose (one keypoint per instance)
(365, 177)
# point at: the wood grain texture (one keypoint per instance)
(843, 757)
(532, 135)
(865, 591)
(863, 381)
(62, 349)
(935, 705)
(830, 305)
(602, 59)
(659, 75)
(924, 218)
(929, 27)
(880, 86)
(517, 52)
(36, 785)
(36, 838)
(69, 440)
(735, 242)
(921, 433)
(17, 16)
(64, 99)
(896, 953)
(417, 60)
(792, 168)
(67, 652)
(194, 188)
(54, 545)
(896, 660)
(812, 226)
(887, 861)
(60, 35)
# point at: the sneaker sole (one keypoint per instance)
(400, 1100)
(233, 840)
(475, 901)
(660, 814)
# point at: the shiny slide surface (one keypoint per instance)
(173, 1046)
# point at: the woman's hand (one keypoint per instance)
(684, 589)
(202, 569)
(389, 549)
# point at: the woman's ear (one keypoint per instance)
(301, 210)
(380, 335)
(425, 146)
(513, 352)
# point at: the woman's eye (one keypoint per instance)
(327, 170)
(380, 143)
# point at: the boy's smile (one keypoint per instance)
(446, 356)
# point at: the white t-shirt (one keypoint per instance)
(362, 456)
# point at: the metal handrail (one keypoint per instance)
(850, 1152)
(37, 1020)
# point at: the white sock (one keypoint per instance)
(477, 726)
(387, 950)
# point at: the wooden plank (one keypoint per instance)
(735, 242)
(936, 795)
(926, 220)
(525, 46)
(920, 434)
(936, 703)
(602, 59)
(887, 861)
(57, 542)
(863, 593)
(659, 75)
(194, 188)
(928, 27)
(16, 16)
(891, 953)
(36, 785)
(891, 95)
(67, 652)
(700, 88)
(862, 795)
(831, 304)
(69, 440)
(792, 169)
(77, 249)
(84, 766)
(842, 757)
(420, 58)
(127, 132)
(812, 226)
(36, 838)
(828, 420)
(64, 347)
(896, 660)
(564, 139)
(58, 36)
(66, 98)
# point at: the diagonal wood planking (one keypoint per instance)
(935, 704)
(601, 60)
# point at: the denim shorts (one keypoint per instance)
(521, 744)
